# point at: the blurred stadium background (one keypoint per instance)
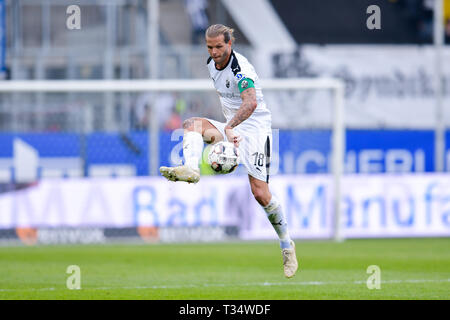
(55, 142)
(81, 166)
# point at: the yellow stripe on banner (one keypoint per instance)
(446, 10)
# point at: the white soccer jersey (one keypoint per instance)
(226, 83)
(256, 133)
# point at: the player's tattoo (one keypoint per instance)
(247, 107)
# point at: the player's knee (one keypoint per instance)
(188, 124)
(193, 124)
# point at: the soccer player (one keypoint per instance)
(248, 126)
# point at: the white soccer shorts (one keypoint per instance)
(255, 148)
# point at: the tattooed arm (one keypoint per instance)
(247, 107)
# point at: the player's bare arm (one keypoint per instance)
(244, 112)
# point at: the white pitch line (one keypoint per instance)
(207, 285)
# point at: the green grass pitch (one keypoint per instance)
(410, 269)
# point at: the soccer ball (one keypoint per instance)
(223, 157)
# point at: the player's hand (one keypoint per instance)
(232, 137)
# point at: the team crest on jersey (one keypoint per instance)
(227, 83)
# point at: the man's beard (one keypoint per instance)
(223, 58)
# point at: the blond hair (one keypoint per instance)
(216, 30)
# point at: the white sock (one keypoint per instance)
(192, 148)
(278, 221)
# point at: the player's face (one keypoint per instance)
(218, 49)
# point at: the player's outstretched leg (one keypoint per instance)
(196, 130)
(192, 151)
(272, 207)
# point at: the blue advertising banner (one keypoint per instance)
(294, 152)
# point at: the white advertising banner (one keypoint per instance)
(386, 85)
(113, 202)
(372, 205)
(396, 206)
